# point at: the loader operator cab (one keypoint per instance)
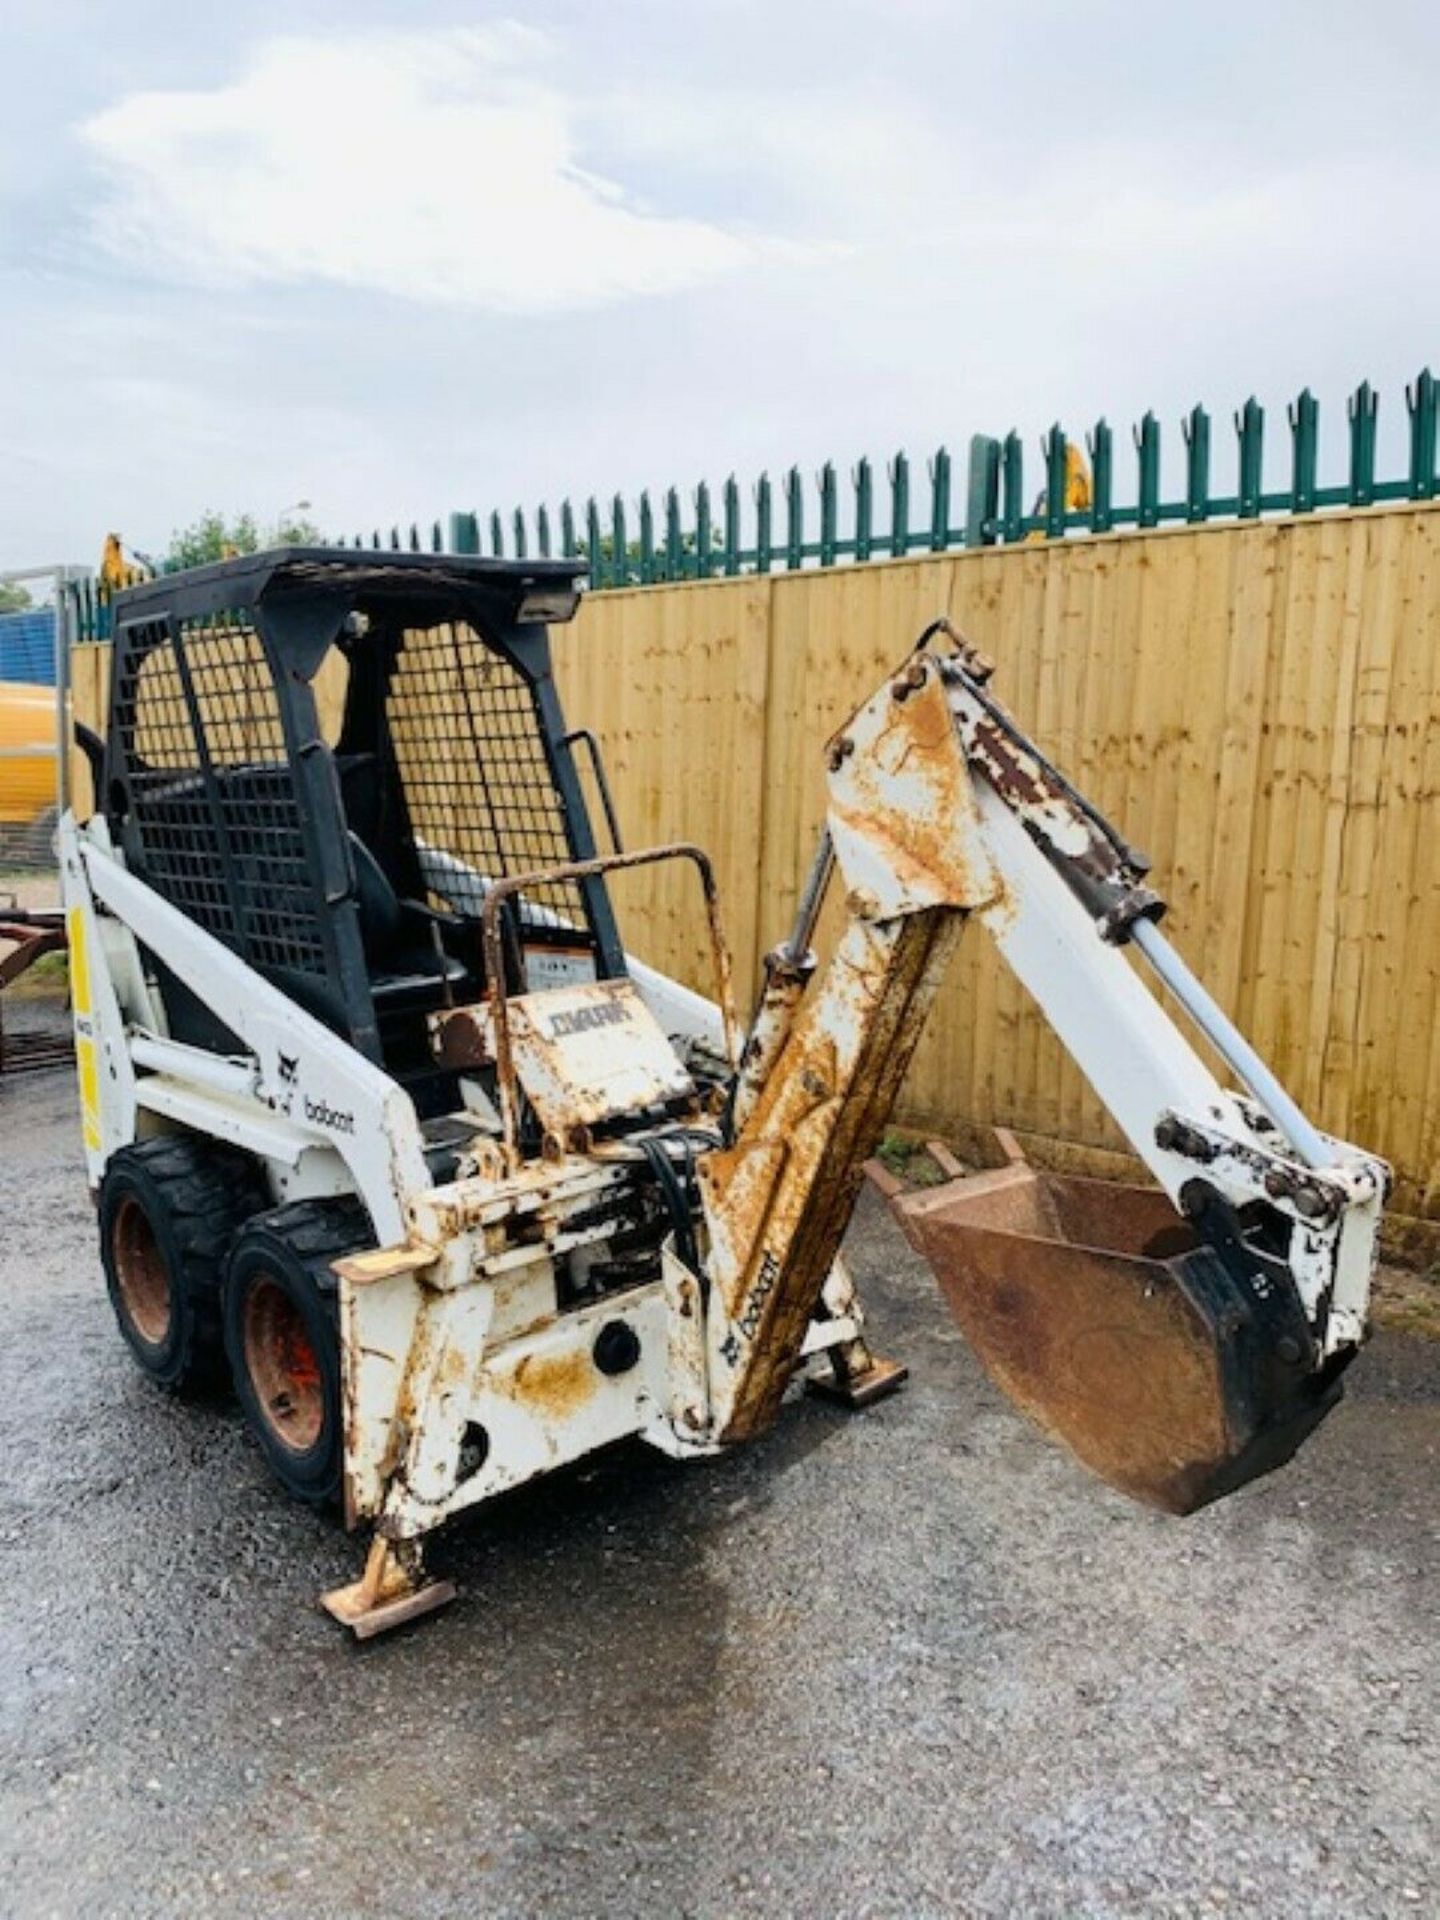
(327, 758)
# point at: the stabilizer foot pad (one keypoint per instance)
(355, 1607)
(880, 1378)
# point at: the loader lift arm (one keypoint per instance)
(1240, 1316)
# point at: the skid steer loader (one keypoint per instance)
(383, 1122)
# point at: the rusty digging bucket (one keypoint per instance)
(1106, 1317)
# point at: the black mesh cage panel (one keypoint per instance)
(472, 759)
(215, 814)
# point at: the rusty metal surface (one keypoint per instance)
(902, 813)
(589, 1054)
(501, 890)
(30, 938)
(777, 1203)
(1062, 1288)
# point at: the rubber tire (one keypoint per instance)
(194, 1196)
(293, 1247)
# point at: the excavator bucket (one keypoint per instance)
(1105, 1317)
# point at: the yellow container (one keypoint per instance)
(27, 752)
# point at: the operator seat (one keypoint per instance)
(403, 957)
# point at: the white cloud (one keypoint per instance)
(437, 166)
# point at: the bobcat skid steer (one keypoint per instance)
(383, 1122)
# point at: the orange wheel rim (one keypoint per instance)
(141, 1274)
(283, 1366)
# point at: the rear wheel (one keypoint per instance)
(282, 1333)
(169, 1209)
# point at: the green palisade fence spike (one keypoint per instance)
(1363, 411)
(1012, 487)
(497, 536)
(522, 545)
(732, 526)
(375, 539)
(395, 541)
(569, 546)
(1147, 451)
(794, 520)
(1101, 444)
(899, 505)
(1196, 429)
(414, 538)
(1056, 451)
(619, 545)
(982, 491)
(1304, 417)
(594, 546)
(864, 479)
(829, 515)
(464, 533)
(542, 531)
(437, 540)
(940, 501)
(647, 540)
(674, 540)
(764, 545)
(1250, 427)
(703, 555)
(1423, 399)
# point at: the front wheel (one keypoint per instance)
(169, 1208)
(282, 1334)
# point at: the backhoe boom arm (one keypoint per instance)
(939, 810)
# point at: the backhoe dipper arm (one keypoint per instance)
(939, 809)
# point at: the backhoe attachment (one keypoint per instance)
(1181, 1339)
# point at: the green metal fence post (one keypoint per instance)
(1055, 450)
(542, 530)
(1195, 428)
(464, 533)
(674, 541)
(1147, 450)
(619, 545)
(497, 537)
(899, 505)
(1101, 443)
(1250, 426)
(763, 510)
(1423, 401)
(521, 546)
(702, 532)
(863, 478)
(569, 546)
(1363, 409)
(940, 501)
(982, 490)
(647, 539)
(1012, 481)
(1304, 418)
(829, 515)
(595, 546)
(794, 520)
(732, 527)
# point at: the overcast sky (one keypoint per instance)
(398, 258)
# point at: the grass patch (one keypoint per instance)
(906, 1156)
(47, 979)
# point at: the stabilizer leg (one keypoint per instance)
(394, 1588)
(857, 1377)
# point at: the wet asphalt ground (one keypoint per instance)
(910, 1662)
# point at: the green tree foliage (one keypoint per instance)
(13, 597)
(214, 537)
